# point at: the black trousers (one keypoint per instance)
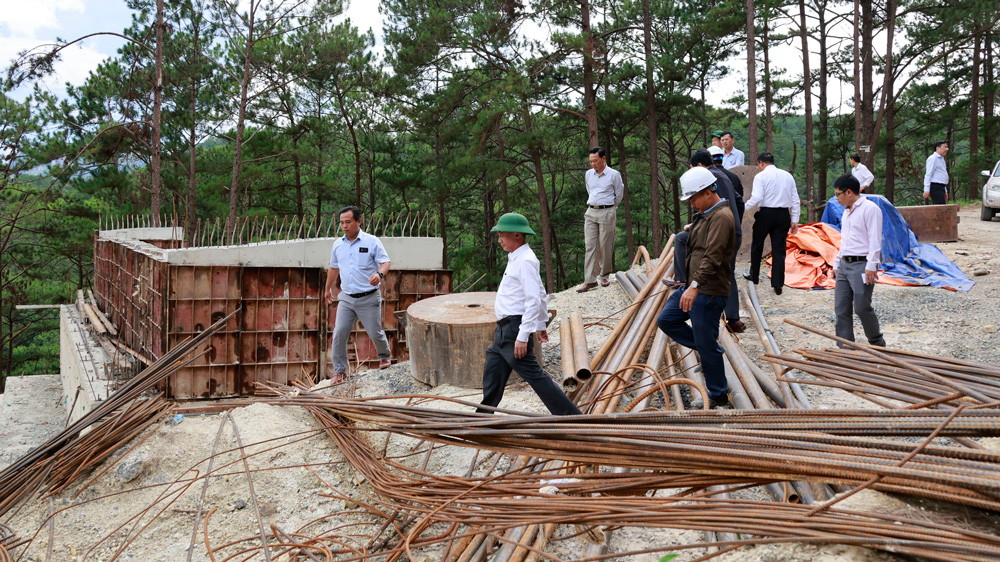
(939, 193)
(774, 222)
(680, 272)
(500, 361)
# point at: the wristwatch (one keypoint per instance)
(382, 275)
(693, 285)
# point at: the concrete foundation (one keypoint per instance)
(81, 365)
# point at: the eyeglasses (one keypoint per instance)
(838, 193)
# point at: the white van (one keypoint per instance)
(991, 193)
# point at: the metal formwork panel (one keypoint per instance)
(128, 288)
(282, 324)
(200, 296)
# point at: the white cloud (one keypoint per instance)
(24, 19)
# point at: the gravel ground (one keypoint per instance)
(306, 477)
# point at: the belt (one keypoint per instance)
(507, 320)
(774, 208)
(852, 259)
(601, 206)
(364, 294)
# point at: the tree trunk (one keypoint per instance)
(675, 186)
(189, 223)
(868, 91)
(354, 142)
(974, 124)
(857, 76)
(768, 90)
(751, 85)
(444, 231)
(156, 179)
(989, 98)
(504, 199)
(824, 112)
(241, 122)
(651, 125)
(535, 154)
(623, 168)
(489, 219)
(589, 94)
(890, 144)
(807, 85)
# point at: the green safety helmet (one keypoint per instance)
(513, 222)
(717, 134)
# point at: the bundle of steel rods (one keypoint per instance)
(881, 375)
(493, 506)
(111, 423)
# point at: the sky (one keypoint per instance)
(25, 24)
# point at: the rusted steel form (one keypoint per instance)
(112, 422)
(281, 333)
(470, 505)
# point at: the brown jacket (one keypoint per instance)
(710, 250)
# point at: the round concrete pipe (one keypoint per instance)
(448, 336)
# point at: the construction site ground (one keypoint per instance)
(301, 482)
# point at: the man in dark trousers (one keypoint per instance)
(703, 158)
(936, 176)
(521, 310)
(856, 265)
(775, 193)
(711, 246)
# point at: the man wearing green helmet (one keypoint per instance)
(521, 310)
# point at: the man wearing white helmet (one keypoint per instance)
(711, 245)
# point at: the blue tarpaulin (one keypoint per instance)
(903, 257)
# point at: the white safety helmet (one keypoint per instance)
(695, 180)
(715, 151)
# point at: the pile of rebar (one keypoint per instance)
(86, 442)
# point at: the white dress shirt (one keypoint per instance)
(861, 233)
(521, 293)
(605, 188)
(733, 159)
(863, 175)
(937, 171)
(774, 187)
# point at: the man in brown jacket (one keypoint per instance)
(709, 269)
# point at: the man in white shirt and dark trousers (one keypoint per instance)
(775, 193)
(862, 173)
(936, 176)
(856, 265)
(521, 310)
(605, 190)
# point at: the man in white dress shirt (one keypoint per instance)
(856, 265)
(731, 156)
(862, 173)
(521, 310)
(775, 193)
(605, 191)
(936, 176)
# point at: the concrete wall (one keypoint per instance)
(161, 233)
(80, 365)
(406, 253)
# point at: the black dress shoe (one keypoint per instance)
(698, 403)
(751, 279)
(777, 290)
(737, 326)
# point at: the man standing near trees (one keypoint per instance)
(775, 192)
(732, 156)
(711, 247)
(521, 310)
(861, 173)
(936, 176)
(604, 191)
(359, 260)
(856, 266)
(717, 139)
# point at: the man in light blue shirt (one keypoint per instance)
(936, 176)
(605, 191)
(359, 261)
(731, 156)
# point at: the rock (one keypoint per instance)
(990, 329)
(130, 468)
(979, 271)
(238, 505)
(993, 262)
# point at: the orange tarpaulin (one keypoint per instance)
(809, 258)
